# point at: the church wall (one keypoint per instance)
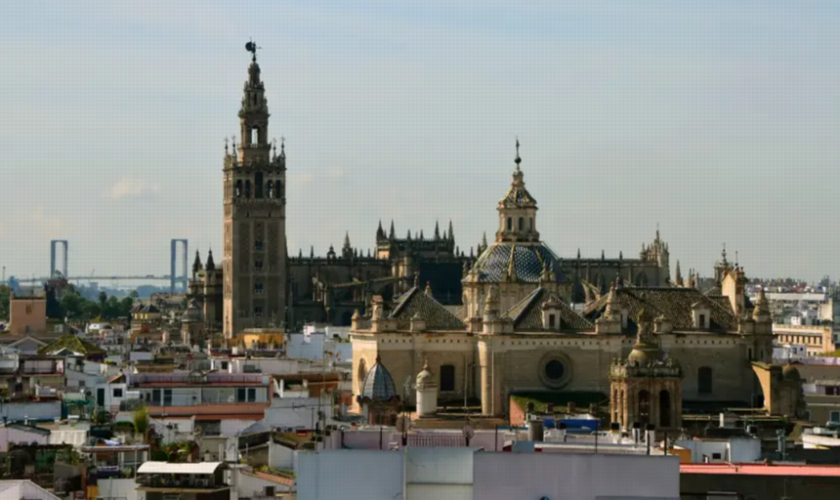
(587, 359)
(732, 377)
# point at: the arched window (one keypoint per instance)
(238, 190)
(531, 224)
(664, 409)
(510, 223)
(258, 185)
(255, 135)
(361, 373)
(644, 407)
(704, 380)
(521, 223)
(447, 378)
(270, 189)
(248, 188)
(278, 187)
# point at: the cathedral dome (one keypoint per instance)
(379, 385)
(531, 263)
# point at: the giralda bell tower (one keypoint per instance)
(254, 218)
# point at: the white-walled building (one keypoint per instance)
(469, 473)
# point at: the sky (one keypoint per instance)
(718, 121)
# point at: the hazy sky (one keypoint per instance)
(718, 120)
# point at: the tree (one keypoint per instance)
(141, 421)
(71, 303)
(103, 299)
(5, 298)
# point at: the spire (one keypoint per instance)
(578, 254)
(300, 253)
(602, 254)
(421, 235)
(392, 235)
(312, 252)
(512, 276)
(197, 263)
(518, 160)
(451, 231)
(437, 231)
(620, 255)
(211, 266)
(762, 308)
(347, 240)
(484, 240)
(678, 278)
(380, 233)
(408, 235)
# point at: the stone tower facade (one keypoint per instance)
(254, 265)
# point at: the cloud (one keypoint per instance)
(131, 188)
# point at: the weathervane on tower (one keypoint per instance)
(252, 48)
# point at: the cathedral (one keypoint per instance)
(510, 316)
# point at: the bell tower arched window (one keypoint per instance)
(255, 135)
(270, 189)
(258, 185)
(237, 192)
(248, 188)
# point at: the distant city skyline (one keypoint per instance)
(717, 122)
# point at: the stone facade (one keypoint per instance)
(517, 331)
(254, 265)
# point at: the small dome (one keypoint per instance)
(426, 379)
(642, 354)
(193, 312)
(789, 372)
(379, 385)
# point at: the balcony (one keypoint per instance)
(162, 482)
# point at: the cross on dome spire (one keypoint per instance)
(518, 160)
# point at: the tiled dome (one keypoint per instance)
(379, 385)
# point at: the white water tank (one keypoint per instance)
(427, 392)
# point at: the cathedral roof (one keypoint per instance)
(675, 304)
(527, 314)
(436, 316)
(530, 262)
(379, 385)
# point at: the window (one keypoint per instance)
(702, 321)
(665, 409)
(248, 188)
(258, 185)
(447, 378)
(258, 266)
(704, 380)
(118, 392)
(258, 288)
(551, 321)
(521, 223)
(531, 224)
(716, 456)
(255, 132)
(554, 369)
(81, 384)
(258, 311)
(224, 365)
(156, 396)
(252, 395)
(241, 395)
(509, 224)
(167, 397)
(270, 189)
(835, 416)
(644, 407)
(258, 246)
